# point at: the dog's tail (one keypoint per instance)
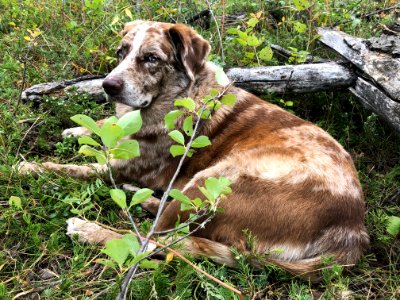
(308, 269)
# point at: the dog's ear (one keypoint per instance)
(190, 49)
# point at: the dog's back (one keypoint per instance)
(295, 189)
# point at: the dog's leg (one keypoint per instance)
(92, 233)
(82, 172)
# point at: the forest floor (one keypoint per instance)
(42, 41)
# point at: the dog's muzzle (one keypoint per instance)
(113, 85)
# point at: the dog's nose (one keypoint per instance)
(113, 85)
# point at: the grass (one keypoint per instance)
(77, 38)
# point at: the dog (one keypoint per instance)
(295, 189)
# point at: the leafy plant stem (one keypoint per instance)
(125, 209)
(131, 272)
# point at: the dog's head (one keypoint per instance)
(154, 57)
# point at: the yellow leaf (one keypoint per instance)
(283, 19)
(36, 33)
(128, 13)
(27, 38)
(170, 256)
(12, 24)
(115, 20)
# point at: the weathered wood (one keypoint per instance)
(293, 78)
(280, 79)
(381, 67)
(91, 85)
(375, 100)
(385, 43)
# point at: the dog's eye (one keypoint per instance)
(151, 58)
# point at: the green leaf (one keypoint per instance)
(300, 27)
(241, 42)
(218, 186)
(177, 136)
(87, 140)
(126, 150)
(148, 264)
(201, 141)
(86, 122)
(130, 122)
(221, 77)
(188, 126)
(253, 41)
(301, 4)
(187, 103)
(229, 99)
(117, 249)
(178, 195)
(171, 117)
(119, 197)
(111, 132)
(137, 258)
(393, 226)
(213, 93)
(212, 185)
(89, 151)
(177, 150)
(105, 262)
(232, 31)
(206, 193)
(132, 242)
(266, 53)
(197, 202)
(205, 114)
(141, 196)
(252, 22)
(15, 202)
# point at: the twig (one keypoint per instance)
(23, 82)
(219, 33)
(178, 254)
(133, 269)
(287, 83)
(26, 133)
(125, 209)
(38, 289)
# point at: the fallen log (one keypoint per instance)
(380, 67)
(280, 79)
(375, 100)
(293, 78)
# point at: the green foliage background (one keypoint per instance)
(43, 41)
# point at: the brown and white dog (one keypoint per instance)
(295, 189)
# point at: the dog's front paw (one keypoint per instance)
(75, 131)
(24, 168)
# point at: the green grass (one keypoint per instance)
(79, 38)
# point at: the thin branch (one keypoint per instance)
(219, 32)
(128, 277)
(125, 209)
(23, 82)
